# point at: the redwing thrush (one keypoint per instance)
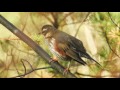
(64, 45)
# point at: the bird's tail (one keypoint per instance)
(81, 61)
(89, 57)
(95, 61)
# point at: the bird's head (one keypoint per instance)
(48, 31)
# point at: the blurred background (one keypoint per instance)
(99, 32)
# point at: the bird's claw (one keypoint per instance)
(65, 71)
(52, 60)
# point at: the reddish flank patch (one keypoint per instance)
(61, 52)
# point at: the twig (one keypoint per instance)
(31, 72)
(26, 73)
(55, 17)
(109, 45)
(33, 22)
(66, 17)
(24, 66)
(113, 20)
(47, 18)
(21, 50)
(28, 63)
(71, 23)
(25, 23)
(14, 61)
(82, 23)
(35, 47)
(9, 39)
(31, 66)
(94, 76)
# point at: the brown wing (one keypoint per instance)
(73, 47)
(73, 43)
(69, 52)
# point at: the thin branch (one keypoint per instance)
(14, 61)
(35, 47)
(55, 17)
(47, 18)
(113, 20)
(25, 23)
(33, 21)
(31, 72)
(9, 39)
(2, 72)
(24, 67)
(28, 63)
(31, 66)
(82, 23)
(66, 17)
(94, 76)
(71, 23)
(76, 22)
(109, 45)
(21, 50)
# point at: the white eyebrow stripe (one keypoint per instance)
(44, 29)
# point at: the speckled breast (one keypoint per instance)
(52, 46)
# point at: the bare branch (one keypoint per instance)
(47, 18)
(109, 45)
(82, 23)
(55, 17)
(25, 23)
(24, 66)
(66, 17)
(71, 23)
(33, 22)
(14, 61)
(21, 50)
(31, 72)
(28, 63)
(113, 20)
(35, 47)
(9, 39)
(94, 76)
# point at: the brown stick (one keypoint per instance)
(34, 46)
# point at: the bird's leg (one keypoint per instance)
(53, 59)
(68, 67)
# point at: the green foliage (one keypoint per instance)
(103, 53)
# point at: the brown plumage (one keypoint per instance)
(64, 45)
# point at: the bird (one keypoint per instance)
(65, 46)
